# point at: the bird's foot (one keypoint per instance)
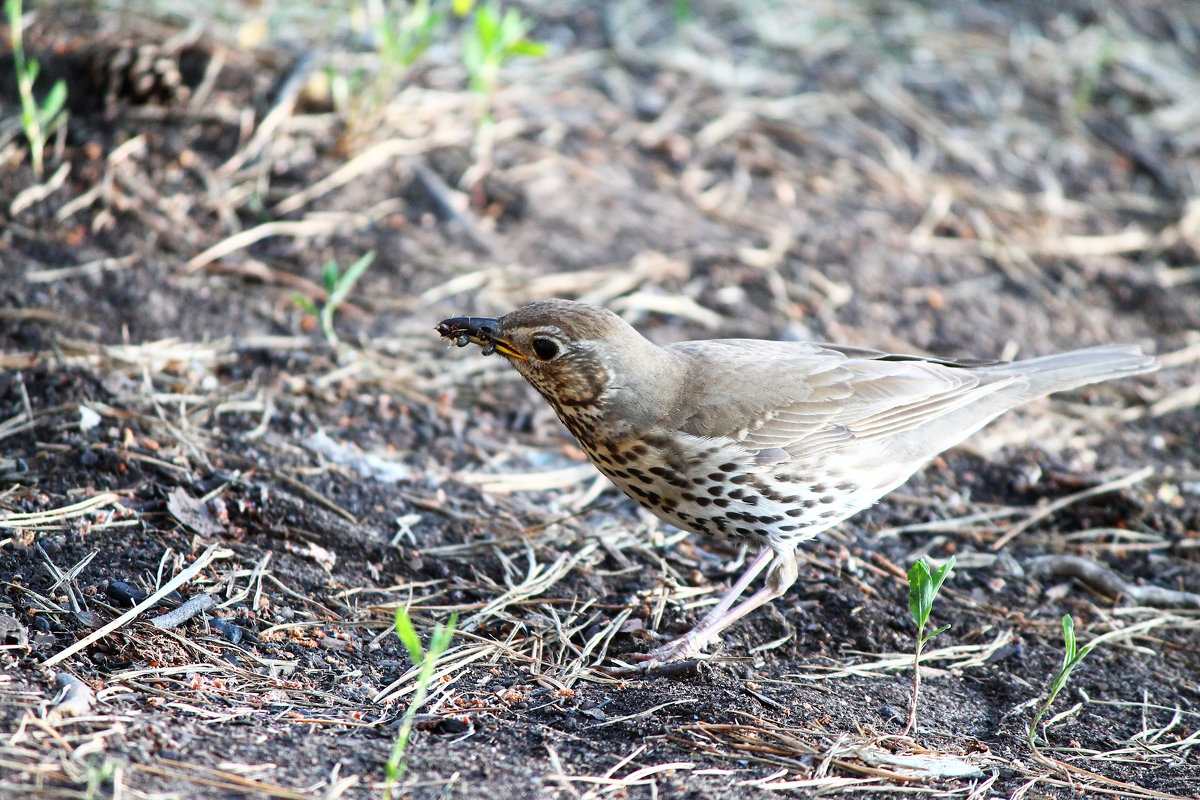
(681, 649)
(690, 668)
(678, 655)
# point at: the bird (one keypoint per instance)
(766, 443)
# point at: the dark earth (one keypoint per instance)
(975, 179)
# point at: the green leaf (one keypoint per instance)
(918, 593)
(472, 51)
(329, 277)
(939, 576)
(525, 47)
(487, 26)
(442, 634)
(408, 635)
(1069, 646)
(305, 303)
(55, 101)
(512, 27)
(344, 283)
(12, 9)
(462, 7)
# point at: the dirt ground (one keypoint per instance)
(985, 179)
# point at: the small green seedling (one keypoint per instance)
(403, 37)
(426, 662)
(490, 40)
(98, 772)
(1071, 657)
(337, 286)
(38, 121)
(923, 587)
(493, 39)
(401, 32)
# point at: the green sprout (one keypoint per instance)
(426, 662)
(400, 33)
(489, 41)
(96, 774)
(404, 37)
(337, 286)
(1071, 657)
(492, 40)
(38, 121)
(923, 587)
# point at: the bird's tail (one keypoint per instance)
(1063, 371)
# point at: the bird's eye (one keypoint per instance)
(545, 349)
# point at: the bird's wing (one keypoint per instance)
(806, 399)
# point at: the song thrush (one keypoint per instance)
(758, 441)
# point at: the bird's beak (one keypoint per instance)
(483, 331)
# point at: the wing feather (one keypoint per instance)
(808, 400)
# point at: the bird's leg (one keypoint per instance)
(735, 591)
(724, 613)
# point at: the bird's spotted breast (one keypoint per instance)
(713, 487)
(583, 423)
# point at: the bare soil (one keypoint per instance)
(985, 179)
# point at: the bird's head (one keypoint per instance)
(572, 353)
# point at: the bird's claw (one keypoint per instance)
(675, 657)
(656, 667)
